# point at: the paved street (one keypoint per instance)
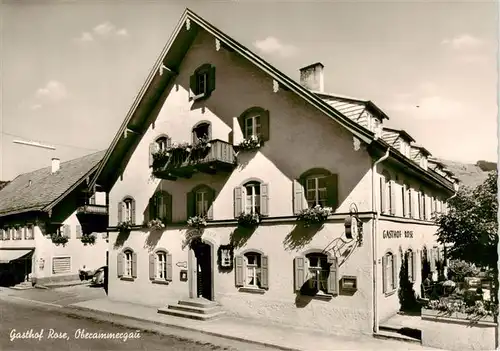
(62, 332)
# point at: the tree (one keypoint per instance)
(470, 227)
(406, 293)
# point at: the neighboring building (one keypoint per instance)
(52, 200)
(316, 149)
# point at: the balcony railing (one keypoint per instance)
(92, 210)
(212, 157)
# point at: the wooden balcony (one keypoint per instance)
(92, 210)
(93, 218)
(217, 156)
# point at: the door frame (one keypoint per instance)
(193, 270)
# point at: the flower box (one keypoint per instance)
(197, 222)
(88, 239)
(459, 316)
(314, 215)
(124, 226)
(59, 239)
(249, 220)
(250, 143)
(156, 224)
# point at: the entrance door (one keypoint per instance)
(204, 269)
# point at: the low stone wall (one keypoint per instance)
(55, 279)
(457, 331)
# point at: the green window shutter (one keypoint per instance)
(393, 197)
(332, 189)
(211, 198)
(412, 205)
(190, 204)
(152, 208)
(78, 231)
(167, 198)
(264, 125)
(394, 271)
(169, 267)
(264, 199)
(119, 264)
(152, 149)
(298, 197)
(264, 272)
(238, 270)
(134, 265)
(152, 266)
(333, 285)
(299, 272)
(192, 84)
(25, 233)
(238, 201)
(67, 231)
(211, 80)
(132, 220)
(383, 195)
(414, 266)
(120, 212)
(384, 274)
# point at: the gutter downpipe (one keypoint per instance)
(376, 210)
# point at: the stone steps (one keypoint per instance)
(23, 286)
(199, 309)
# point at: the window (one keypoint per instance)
(160, 206)
(423, 205)
(410, 265)
(253, 272)
(252, 125)
(316, 190)
(386, 201)
(126, 210)
(199, 202)
(317, 266)
(255, 122)
(410, 200)
(128, 255)
(389, 272)
(30, 233)
(19, 233)
(161, 267)
(163, 143)
(201, 131)
(252, 197)
(202, 82)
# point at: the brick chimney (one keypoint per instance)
(311, 77)
(56, 163)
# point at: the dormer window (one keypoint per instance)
(423, 162)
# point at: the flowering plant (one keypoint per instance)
(156, 224)
(202, 143)
(181, 146)
(58, 239)
(161, 156)
(124, 226)
(316, 214)
(450, 306)
(197, 222)
(251, 143)
(88, 239)
(249, 219)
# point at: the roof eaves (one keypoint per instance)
(72, 188)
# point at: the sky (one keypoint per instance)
(70, 69)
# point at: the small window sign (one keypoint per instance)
(349, 283)
(225, 257)
(183, 276)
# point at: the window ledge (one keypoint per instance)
(323, 297)
(161, 282)
(128, 279)
(198, 97)
(389, 293)
(252, 290)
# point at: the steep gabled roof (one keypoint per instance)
(40, 189)
(401, 132)
(351, 107)
(163, 75)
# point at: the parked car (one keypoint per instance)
(99, 276)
